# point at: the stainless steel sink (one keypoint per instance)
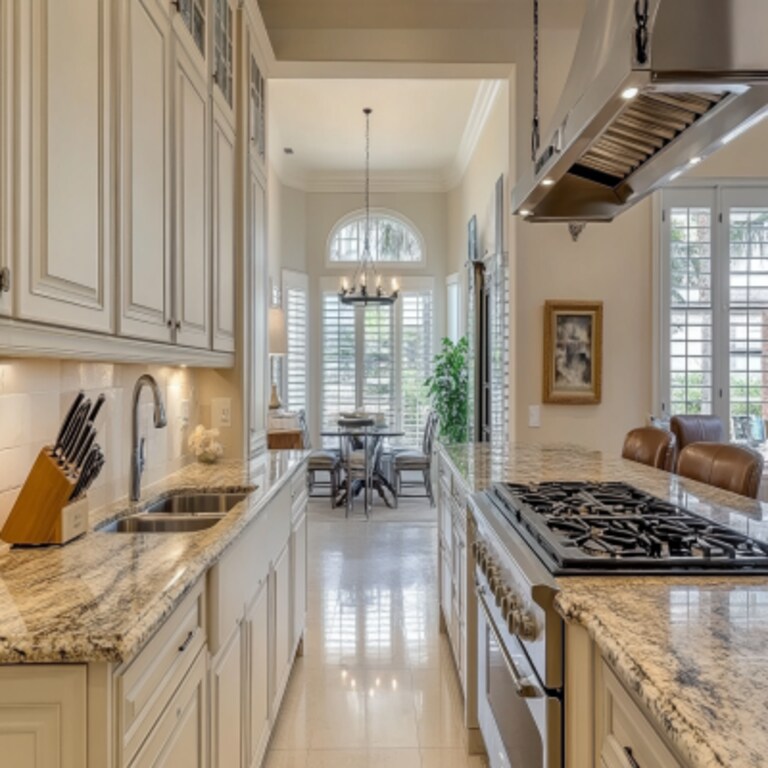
(178, 513)
(195, 503)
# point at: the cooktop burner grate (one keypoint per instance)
(613, 527)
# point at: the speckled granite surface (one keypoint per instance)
(694, 650)
(101, 597)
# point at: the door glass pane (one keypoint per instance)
(748, 323)
(690, 319)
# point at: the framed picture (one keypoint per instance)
(472, 239)
(573, 352)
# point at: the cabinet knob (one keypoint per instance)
(178, 325)
(5, 280)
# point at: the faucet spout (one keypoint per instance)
(137, 445)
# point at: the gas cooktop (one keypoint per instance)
(590, 527)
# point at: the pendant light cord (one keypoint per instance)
(367, 242)
(535, 128)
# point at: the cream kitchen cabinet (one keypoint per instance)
(165, 260)
(63, 186)
(6, 153)
(251, 593)
(300, 499)
(43, 716)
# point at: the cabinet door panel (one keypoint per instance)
(179, 736)
(299, 577)
(223, 234)
(192, 263)
(256, 303)
(226, 681)
(257, 624)
(43, 716)
(145, 293)
(65, 159)
(6, 153)
(282, 614)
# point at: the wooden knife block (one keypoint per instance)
(42, 513)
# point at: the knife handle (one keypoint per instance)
(65, 425)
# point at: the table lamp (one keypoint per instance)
(278, 345)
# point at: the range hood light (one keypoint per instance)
(676, 175)
(744, 127)
(630, 93)
(525, 212)
(694, 161)
(547, 182)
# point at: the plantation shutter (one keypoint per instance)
(338, 371)
(378, 384)
(416, 352)
(296, 304)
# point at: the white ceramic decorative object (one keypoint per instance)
(204, 444)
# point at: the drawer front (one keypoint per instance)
(234, 580)
(628, 740)
(150, 680)
(299, 482)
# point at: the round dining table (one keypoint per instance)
(378, 481)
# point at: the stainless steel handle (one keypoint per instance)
(631, 758)
(187, 640)
(523, 688)
(5, 280)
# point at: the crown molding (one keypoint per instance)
(485, 99)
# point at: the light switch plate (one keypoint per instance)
(221, 412)
(534, 416)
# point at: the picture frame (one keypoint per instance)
(573, 352)
(472, 239)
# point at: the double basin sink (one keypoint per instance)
(180, 512)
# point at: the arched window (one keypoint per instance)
(393, 239)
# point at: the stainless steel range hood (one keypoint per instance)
(638, 110)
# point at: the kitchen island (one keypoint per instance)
(138, 627)
(688, 651)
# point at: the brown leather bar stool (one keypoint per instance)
(697, 428)
(724, 465)
(652, 446)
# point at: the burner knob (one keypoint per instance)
(527, 628)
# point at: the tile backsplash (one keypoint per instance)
(36, 394)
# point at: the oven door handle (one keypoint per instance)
(523, 688)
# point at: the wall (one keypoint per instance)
(36, 394)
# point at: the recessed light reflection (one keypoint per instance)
(694, 161)
(630, 93)
(394, 684)
(378, 682)
(343, 674)
(352, 682)
(370, 693)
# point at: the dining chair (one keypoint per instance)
(696, 428)
(731, 467)
(652, 446)
(417, 461)
(320, 460)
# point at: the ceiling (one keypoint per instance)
(420, 130)
(433, 31)
(424, 126)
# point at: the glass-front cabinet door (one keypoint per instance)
(223, 50)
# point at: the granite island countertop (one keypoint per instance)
(102, 596)
(693, 650)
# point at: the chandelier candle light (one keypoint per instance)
(365, 287)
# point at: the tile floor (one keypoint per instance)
(376, 687)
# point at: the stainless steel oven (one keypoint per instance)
(519, 649)
(520, 721)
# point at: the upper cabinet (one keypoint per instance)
(6, 64)
(63, 185)
(165, 262)
(223, 178)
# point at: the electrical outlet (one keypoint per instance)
(221, 412)
(534, 416)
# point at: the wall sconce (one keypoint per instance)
(278, 346)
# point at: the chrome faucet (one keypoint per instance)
(137, 446)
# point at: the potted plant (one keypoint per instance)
(448, 389)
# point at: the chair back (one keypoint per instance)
(725, 465)
(430, 430)
(697, 428)
(304, 427)
(652, 446)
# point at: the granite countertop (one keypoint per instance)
(693, 650)
(102, 596)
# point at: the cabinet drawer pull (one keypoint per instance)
(631, 758)
(178, 325)
(5, 280)
(169, 323)
(187, 640)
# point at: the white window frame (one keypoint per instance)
(412, 283)
(453, 325)
(385, 267)
(720, 195)
(292, 280)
